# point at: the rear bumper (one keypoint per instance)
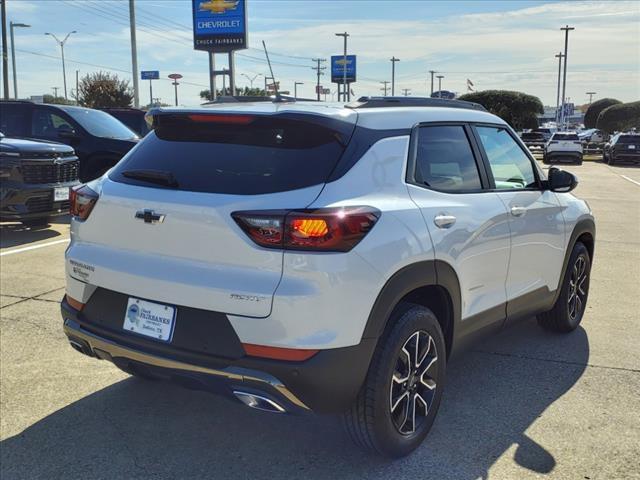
(326, 383)
(563, 156)
(626, 156)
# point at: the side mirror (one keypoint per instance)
(561, 181)
(65, 131)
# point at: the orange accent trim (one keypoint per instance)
(277, 353)
(73, 303)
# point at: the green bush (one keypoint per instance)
(516, 108)
(620, 117)
(591, 115)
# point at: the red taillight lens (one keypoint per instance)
(82, 200)
(278, 353)
(228, 119)
(325, 229)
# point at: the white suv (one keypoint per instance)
(304, 257)
(563, 147)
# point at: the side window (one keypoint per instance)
(510, 166)
(46, 124)
(444, 159)
(14, 120)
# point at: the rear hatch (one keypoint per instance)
(628, 145)
(162, 228)
(565, 142)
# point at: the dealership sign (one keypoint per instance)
(338, 66)
(150, 74)
(219, 25)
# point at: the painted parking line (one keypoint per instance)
(33, 247)
(631, 180)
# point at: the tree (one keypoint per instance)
(240, 92)
(46, 98)
(620, 117)
(101, 89)
(591, 115)
(516, 108)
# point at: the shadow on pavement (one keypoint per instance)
(16, 234)
(136, 429)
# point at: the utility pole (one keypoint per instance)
(318, 70)
(134, 53)
(346, 95)
(13, 55)
(55, 92)
(295, 89)
(212, 77)
(566, 29)
(405, 91)
(439, 77)
(385, 88)
(559, 56)
(591, 94)
(77, 85)
(432, 72)
(393, 75)
(64, 71)
(5, 55)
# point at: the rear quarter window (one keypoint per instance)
(266, 155)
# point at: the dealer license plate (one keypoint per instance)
(150, 319)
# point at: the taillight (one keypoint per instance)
(324, 229)
(82, 200)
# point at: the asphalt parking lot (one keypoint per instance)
(524, 404)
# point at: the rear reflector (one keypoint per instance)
(277, 353)
(82, 200)
(73, 303)
(324, 229)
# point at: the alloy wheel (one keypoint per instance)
(577, 287)
(413, 383)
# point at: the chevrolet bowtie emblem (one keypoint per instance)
(149, 216)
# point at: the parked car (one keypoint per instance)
(547, 132)
(131, 117)
(36, 178)
(299, 257)
(622, 147)
(563, 147)
(98, 139)
(592, 135)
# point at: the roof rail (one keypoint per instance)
(378, 102)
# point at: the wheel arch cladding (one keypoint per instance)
(432, 284)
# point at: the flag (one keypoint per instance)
(470, 86)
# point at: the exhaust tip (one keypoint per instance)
(258, 402)
(79, 347)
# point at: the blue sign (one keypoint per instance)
(219, 25)
(150, 74)
(338, 65)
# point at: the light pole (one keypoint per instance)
(385, 88)
(295, 89)
(432, 72)
(346, 95)
(559, 56)
(55, 92)
(13, 55)
(393, 75)
(439, 77)
(566, 29)
(5, 56)
(134, 53)
(405, 91)
(61, 43)
(591, 94)
(251, 79)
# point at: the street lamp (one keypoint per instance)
(295, 89)
(591, 94)
(393, 75)
(439, 77)
(13, 56)
(251, 79)
(346, 95)
(61, 43)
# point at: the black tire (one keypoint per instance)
(566, 314)
(372, 422)
(545, 160)
(579, 162)
(604, 157)
(612, 160)
(36, 222)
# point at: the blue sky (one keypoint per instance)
(496, 44)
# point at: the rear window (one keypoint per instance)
(565, 136)
(629, 139)
(262, 155)
(531, 136)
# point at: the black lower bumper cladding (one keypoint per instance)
(206, 354)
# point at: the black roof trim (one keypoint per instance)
(377, 102)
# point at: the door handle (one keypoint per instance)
(518, 211)
(444, 221)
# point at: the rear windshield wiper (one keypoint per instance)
(158, 177)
